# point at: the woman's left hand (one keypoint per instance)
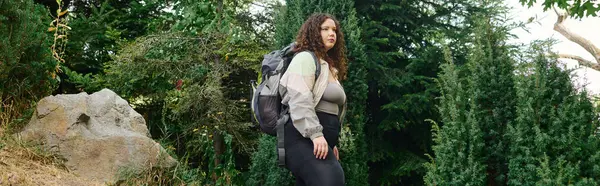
(336, 153)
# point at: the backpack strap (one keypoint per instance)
(285, 116)
(317, 64)
(280, 127)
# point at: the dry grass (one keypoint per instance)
(154, 177)
(14, 114)
(22, 164)
(179, 175)
(8, 111)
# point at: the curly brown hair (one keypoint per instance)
(309, 38)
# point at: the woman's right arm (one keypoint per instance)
(297, 83)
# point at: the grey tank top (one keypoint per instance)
(333, 97)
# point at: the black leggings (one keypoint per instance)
(302, 162)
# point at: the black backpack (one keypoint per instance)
(266, 105)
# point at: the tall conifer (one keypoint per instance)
(470, 145)
(552, 140)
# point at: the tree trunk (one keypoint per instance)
(219, 146)
(219, 13)
(218, 138)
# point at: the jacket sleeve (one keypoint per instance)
(297, 84)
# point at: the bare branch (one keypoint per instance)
(259, 5)
(581, 41)
(582, 61)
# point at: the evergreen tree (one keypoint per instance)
(549, 137)
(492, 86)
(490, 94)
(401, 41)
(27, 69)
(459, 142)
(552, 141)
(353, 148)
(352, 145)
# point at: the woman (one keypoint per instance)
(316, 105)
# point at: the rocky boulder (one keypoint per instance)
(98, 135)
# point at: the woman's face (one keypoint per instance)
(328, 34)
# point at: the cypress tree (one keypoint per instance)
(458, 143)
(352, 144)
(552, 141)
(549, 136)
(493, 93)
(470, 147)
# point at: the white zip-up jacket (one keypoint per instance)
(301, 93)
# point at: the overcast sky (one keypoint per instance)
(589, 28)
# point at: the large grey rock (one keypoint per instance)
(98, 135)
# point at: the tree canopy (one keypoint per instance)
(437, 95)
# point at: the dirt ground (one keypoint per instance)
(23, 166)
